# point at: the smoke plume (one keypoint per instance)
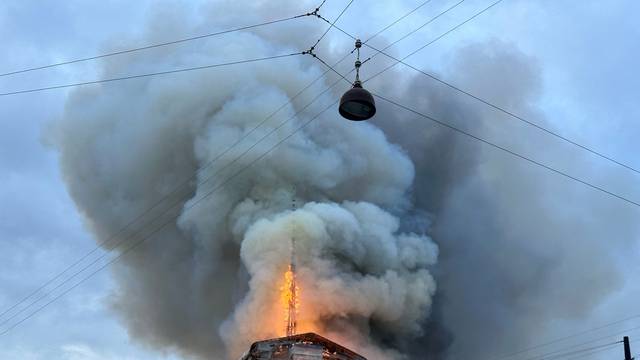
(206, 286)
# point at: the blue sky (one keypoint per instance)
(586, 51)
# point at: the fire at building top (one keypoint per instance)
(307, 346)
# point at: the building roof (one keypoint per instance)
(279, 348)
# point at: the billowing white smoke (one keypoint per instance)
(209, 281)
(352, 262)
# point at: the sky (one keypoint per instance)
(586, 53)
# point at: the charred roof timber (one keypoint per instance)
(307, 346)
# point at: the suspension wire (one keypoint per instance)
(556, 353)
(395, 22)
(188, 180)
(564, 338)
(382, 51)
(513, 153)
(331, 24)
(616, 334)
(475, 97)
(149, 74)
(567, 337)
(416, 30)
(319, 6)
(442, 13)
(147, 47)
(487, 142)
(331, 68)
(580, 351)
(590, 353)
(559, 354)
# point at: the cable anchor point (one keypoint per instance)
(315, 13)
(310, 52)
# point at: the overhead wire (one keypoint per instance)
(477, 98)
(560, 353)
(579, 351)
(456, 27)
(573, 346)
(487, 142)
(191, 178)
(431, 20)
(434, 18)
(156, 45)
(93, 82)
(150, 74)
(567, 337)
(396, 21)
(331, 24)
(615, 334)
(590, 353)
(499, 147)
(564, 350)
(511, 152)
(178, 70)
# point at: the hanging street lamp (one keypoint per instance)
(357, 104)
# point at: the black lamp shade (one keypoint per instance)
(357, 104)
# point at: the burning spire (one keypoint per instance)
(291, 298)
(290, 288)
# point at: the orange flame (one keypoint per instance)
(289, 299)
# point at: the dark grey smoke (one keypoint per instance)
(520, 247)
